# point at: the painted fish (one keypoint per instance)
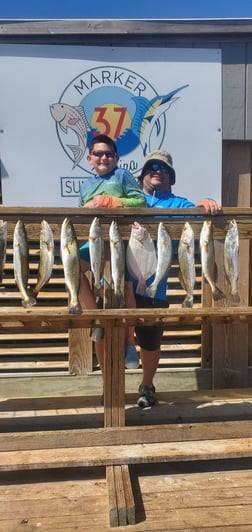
(72, 117)
(208, 259)
(46, 257)
(164, 258)
(96, 251)
(71, 264)
(21, 263)
(117, 254)
(141, 257)
(3, 244)
(231, 257)
(187, 273)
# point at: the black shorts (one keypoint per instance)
(150, 337)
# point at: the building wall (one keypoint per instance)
(233, 37)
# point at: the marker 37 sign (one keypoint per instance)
(117, 102)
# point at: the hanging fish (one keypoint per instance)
(46, 257)
(231, 259)
(96, 252)
(164, 258)
(208, 264)
(141, 257)
(71, 265)
(187, 274)
(117, 254)
(21, 263)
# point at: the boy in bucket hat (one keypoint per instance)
(156, 179)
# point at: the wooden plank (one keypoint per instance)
(130, 435)
(230, 356)
(50, 317)
(129, 498)
(126, 454)
(80, 351)
(117, 501)
(112, 496)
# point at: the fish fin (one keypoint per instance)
(80, 109)
(218, 294)
(188, 301)
(77, 153)
(64, 129)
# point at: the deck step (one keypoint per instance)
(126, 454)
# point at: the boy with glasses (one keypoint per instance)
(109, 187)
(156, 180)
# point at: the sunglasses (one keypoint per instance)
(153, 167)
(99, 153)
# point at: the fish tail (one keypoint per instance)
(33, 293)
(188, 301)
(119, 299)
(74, 308)
(151, 290)
(29, 302)
(98, 291)
(218, 294)
(235, 297)
(141, 287)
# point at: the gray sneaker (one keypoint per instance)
(146, 396)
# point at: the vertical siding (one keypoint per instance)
(249, 93)
(234, 91)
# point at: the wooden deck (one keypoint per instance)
(67, 464)
(202, 494)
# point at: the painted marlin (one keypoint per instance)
(147, 115)
(72, 117)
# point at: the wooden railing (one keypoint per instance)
(227, 344)
(226, 349)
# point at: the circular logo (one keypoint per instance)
(113, 101)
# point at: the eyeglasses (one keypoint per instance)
(99, 153)
(153, 167)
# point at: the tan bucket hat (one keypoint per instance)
(159, 156)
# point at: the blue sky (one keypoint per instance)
(126, 9)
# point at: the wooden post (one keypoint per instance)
(230, 341)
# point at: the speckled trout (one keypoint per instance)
(208, 264)
(21, 263)
(117, 254)
(164, 258)
(46, 257)
(186, 260)
(71, 264)
(231, 257)
(96, 252)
